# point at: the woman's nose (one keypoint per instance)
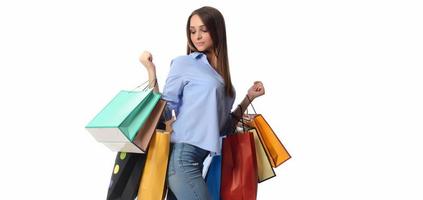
(198, 35)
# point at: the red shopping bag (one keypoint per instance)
(239, 167)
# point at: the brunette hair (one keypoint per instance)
(215, 23)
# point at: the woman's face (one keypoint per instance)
(200, 36)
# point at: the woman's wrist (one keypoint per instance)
(151, 74)
(150, 67)
(250, 98)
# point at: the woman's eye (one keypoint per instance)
(192, 32)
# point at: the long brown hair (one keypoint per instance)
(215, 23)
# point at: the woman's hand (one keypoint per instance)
(146, 59)
(256, 90)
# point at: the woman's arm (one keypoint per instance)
(173, 87)
(255, 91)
(147, 60)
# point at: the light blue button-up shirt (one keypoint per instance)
(197, 94)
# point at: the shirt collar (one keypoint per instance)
(196, 54)
(200, 55)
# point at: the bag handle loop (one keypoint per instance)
(147, 86)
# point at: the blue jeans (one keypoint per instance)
(185, 180)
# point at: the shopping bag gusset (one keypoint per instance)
(119, 122)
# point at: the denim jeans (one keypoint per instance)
(185, 180)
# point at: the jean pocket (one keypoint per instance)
(191, 161)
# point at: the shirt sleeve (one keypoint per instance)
(173, 89)
(231, 120)
(229, 126)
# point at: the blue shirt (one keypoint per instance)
(196, 91)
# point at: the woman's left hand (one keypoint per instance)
(256, 90)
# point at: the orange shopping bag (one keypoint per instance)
(274, 148)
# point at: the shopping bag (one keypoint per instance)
(152, 184)
(126, 175)
(239, 167)
(154, 175)
(274, 148)
(146, 131)
(264, 167)
(144, 134)
(213, 177)
(118, 123)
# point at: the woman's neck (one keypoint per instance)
(211, 57)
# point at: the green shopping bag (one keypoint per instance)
(117, 124)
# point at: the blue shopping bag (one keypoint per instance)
(213, 177)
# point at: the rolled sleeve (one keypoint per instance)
(173, 89)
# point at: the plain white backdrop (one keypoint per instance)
(343, 79)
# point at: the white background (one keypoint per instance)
(343, 79)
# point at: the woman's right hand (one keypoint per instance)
(146, 59)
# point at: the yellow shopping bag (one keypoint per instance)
(152, 186)
(264, 167)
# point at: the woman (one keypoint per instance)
(199, 89)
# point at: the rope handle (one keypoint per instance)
(251, 103)
(147, 86)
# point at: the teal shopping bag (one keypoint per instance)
(117, 124)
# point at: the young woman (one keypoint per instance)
(200, 90)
